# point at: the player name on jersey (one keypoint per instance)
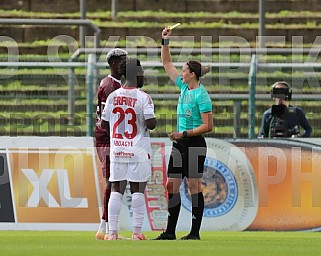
(123, 100)
(122, 143)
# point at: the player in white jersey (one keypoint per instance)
(128, 116)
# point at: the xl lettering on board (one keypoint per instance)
(54, 185)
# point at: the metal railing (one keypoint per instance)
(62, 22)
(206, 51)
(252, 84)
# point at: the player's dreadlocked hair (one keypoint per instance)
(132, 70)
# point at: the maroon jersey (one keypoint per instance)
(106, 87)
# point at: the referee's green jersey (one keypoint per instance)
(191, 104)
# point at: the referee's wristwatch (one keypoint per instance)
(185, 134)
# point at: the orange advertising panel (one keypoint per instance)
(247, 184)
(56, 185)
(288, 174)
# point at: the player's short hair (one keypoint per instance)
(116, 52)
(131, 69)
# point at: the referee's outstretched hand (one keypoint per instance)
(166, 33)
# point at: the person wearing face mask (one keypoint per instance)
(283, 119)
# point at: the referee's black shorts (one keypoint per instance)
(187, 158)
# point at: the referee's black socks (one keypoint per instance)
(197, 212)
(174, 207)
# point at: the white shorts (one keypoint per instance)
(135, 172)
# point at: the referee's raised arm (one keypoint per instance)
(166, 55)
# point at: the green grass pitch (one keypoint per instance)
(60, 243)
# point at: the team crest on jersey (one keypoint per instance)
(188, 113)
(219, 188)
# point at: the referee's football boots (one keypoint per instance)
(165, 236)
(191, 237)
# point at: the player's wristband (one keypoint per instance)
(165, 41)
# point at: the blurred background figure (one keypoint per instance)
(283, 119)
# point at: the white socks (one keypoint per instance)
(114, 207)
(138, 207)
(102, 226)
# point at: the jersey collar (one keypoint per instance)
(128, 88)
(118, 81)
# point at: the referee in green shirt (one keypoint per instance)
(195, 118)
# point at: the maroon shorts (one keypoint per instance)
(103, 151)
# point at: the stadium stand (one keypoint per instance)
(34, 100)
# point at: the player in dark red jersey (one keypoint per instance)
(109, 84)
